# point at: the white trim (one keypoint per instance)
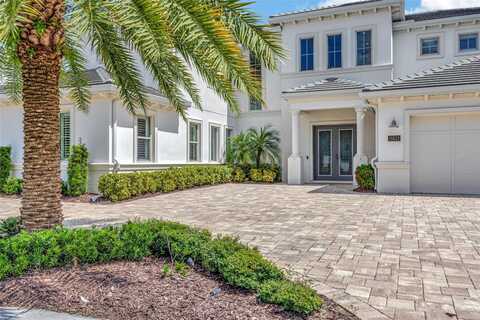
(431, 35)
(219, 142)
(462, 32)
(152, 124)
(200, 147)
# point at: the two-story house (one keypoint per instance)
(366, 83)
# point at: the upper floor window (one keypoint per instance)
(194, 141)
(335, 51)
(307, 54)
(430, 46)
(65, 135)
(256, 69)
(144, 138)
(364, 48)
(468, 42)
(214, 143)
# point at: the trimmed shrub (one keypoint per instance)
(263, 175)
(247, 269)
(77, 171)
(10, 227)
(13, 186)
(235, 262)
(5, 164)
(291, 296)
(122, 186)
(365, 175)
(238, 175)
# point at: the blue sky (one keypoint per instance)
(266, 8)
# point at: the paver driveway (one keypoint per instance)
(381, 256)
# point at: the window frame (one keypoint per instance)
(198, 143)
(357, 49)
(219, 142)
(441, 41)
(335, 51)
(257, 70)
(65, 152)
(150, 138)
(469, 50)
(301, 54)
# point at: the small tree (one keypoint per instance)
(240, 152)
(5, 164)
(77, 171)
(264, 144)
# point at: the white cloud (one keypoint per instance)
(448, 4)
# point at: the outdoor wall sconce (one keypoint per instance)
(394, 124)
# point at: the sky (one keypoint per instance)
(266, 8)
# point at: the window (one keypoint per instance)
(194, 141)
(364, 48)
(430, 46)
(256, 69)
(468, 42)
(144, 139)
(65, 132)
(307, 54)
(214, 143)
(335, 51)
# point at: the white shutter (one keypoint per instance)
(65, 135)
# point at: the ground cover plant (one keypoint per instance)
(235, 263)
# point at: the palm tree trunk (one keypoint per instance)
(41, 57)
(41, 198)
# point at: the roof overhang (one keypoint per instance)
(420, 91)
(396, 7)
(410, 25)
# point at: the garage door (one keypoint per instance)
(445, 154)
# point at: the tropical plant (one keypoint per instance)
(5, 164)
(265, 144)
(240, 150)
(42, 40)
(77, 171)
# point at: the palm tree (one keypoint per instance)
(240, 151)
(41, 42)
(264, 144)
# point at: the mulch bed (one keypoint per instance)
(138, 290)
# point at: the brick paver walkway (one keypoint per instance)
(380, 256)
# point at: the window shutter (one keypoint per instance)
(65, 132)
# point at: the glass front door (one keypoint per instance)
(334, 148)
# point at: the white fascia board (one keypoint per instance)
(398, 26)
(315, 13)
(420, 91)
(312, 94)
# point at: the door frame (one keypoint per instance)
(335, 147)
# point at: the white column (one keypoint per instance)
(295, 161)
(360, 158)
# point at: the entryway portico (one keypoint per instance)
(332, 132)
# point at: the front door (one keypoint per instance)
(333, 149)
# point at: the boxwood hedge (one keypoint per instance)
(236, 263)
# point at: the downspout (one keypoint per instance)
(375, 159)
(113, 121)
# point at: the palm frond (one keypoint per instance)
(11, 74)
(91, 18)
(74, 72)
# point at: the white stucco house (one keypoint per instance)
(364, 82)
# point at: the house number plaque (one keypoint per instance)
(396, 138)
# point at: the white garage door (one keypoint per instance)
(445, 154)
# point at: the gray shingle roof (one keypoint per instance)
(463, 72)
(99, 76)
(322, 8)
(329, 84)
(441, 14)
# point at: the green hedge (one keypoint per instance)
(236, 263)
(77, 171)
(12, 186)
(122, 186)
(365, 175)
(263, 174)
(5, 164)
